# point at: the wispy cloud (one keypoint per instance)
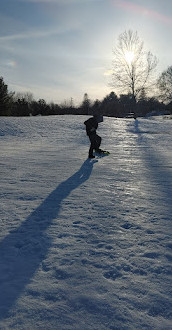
(108, 73)
(63, 2)
(35, 34)
(30, 35)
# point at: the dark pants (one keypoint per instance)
(95, 143)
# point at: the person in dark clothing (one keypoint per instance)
(91, 126)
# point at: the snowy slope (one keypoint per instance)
(85, 244)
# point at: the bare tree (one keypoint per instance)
(165, 85)
(27, 96)
(133, 67)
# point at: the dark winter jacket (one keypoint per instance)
(91, 126)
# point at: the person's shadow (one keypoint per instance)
(136, 125)
(23, 249)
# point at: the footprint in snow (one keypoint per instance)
(127, 225)
(112, 274)
(151, 255)
(61, 274)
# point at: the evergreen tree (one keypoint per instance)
(5, 99)
(110, 105)
(85, 107)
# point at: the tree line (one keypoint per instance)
(111, 105)
(132, 79)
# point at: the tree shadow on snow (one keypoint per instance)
(22, 251)
(160, 172)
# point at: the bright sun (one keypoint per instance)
(129, 56)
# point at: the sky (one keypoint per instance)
(58, 50)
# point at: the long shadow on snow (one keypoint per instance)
(159, 302)
(160, 174)
(23, 249)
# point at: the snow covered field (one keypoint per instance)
(85, 244)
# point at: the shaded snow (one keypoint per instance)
(85, 244)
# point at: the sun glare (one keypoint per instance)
(129, 56)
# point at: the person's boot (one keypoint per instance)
(99, 151)
(91, 156)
